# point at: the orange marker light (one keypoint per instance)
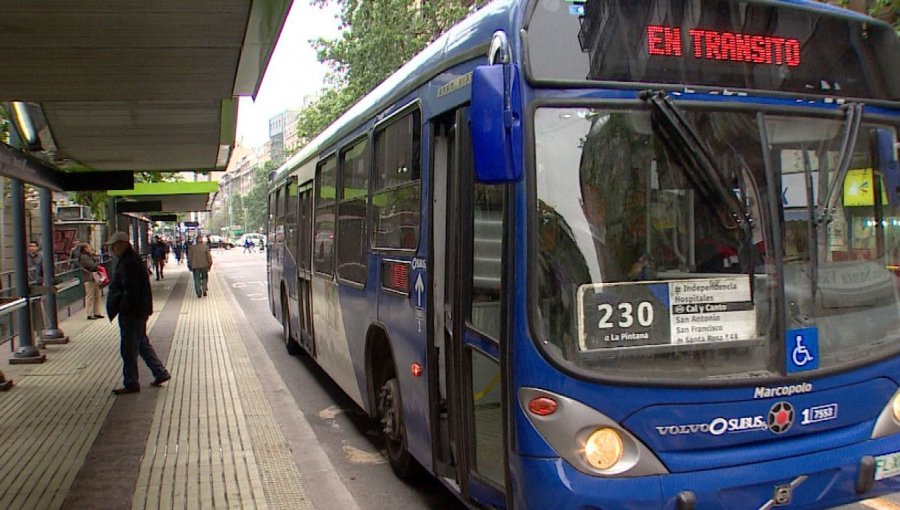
(542, 406)
(416, 370)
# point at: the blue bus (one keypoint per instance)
(615, 254)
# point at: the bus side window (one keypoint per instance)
(396, 197)
(351, 250)
(323, 245)
(487, 259)
(290, 215)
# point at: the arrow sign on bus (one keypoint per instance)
(420, 287)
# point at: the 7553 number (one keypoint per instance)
(625, 315)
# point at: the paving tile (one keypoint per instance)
(50, 419)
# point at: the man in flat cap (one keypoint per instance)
(131, 300)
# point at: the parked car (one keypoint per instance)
(220, 242)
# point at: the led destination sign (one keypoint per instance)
(730, 46)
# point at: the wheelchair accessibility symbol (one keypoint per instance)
(801, 353)
(802, 349)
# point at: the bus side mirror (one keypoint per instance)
(495, 124)
(885, 153)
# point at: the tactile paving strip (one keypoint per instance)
(214, 442)
(51, 417)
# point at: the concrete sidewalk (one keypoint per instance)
(207, 439)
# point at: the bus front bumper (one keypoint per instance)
(814, 481)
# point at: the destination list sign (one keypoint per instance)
(674, 312)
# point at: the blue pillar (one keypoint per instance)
(51, 333)
(26, 352)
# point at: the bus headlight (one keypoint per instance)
(888, 422)
(604, 449)
(587, 439)
(896, 407)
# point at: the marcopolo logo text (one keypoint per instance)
(782, 391)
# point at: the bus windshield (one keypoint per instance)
(643, 273)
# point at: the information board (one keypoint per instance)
(673, 312)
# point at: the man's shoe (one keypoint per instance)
(127, 389)
(159, 381)
(204, 292)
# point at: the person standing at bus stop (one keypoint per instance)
(200, 262)
(89, 268)
(35, 264)
(131, 300)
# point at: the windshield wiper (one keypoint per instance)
(825, 210)
(682, 140)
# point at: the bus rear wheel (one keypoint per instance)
(390, 413)
(293, 348)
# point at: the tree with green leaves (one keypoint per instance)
(378, 38)
(887, 10)
(256, 201)
(236, 208)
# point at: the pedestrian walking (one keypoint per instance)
(200, 262)
(131, 300)
(248, 245)
(159, 252)
(178, 249)
(35, 264)
(90, 272)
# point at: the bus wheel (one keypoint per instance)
(293, 348)
(391, 416)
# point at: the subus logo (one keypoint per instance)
(716, 426)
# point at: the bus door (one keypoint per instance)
(467, 268)
(304, 268)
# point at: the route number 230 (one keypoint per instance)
(624, 315)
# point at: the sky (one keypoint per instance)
(293, 72)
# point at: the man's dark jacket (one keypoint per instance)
(129, 290)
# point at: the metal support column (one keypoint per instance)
(27, 352)
(51, 333)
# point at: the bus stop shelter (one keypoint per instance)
(94, 91)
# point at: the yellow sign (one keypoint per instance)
(859, 188)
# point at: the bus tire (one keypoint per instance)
(293, 348)
(390, 414)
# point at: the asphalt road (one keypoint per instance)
(349, 438)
